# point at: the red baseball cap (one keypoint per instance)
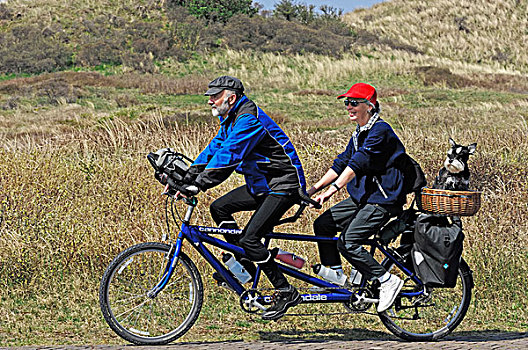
(362, 90)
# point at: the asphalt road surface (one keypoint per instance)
(461, 340)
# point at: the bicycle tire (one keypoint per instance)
(143, 320)
(437, 317)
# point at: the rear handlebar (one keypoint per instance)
(307, 200)
(304, 201)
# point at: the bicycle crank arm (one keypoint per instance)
(365, 300)
(257, 304)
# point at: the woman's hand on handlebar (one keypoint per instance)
(311, 191)
(323, 197)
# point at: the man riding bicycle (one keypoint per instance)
(251, 143)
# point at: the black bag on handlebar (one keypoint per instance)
(167, 162)
(437, 249)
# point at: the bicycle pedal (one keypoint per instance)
(423, 299)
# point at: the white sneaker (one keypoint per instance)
(388, 292)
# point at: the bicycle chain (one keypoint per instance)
(355, 289)
(335, 313)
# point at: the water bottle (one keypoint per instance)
(355, 277)
(288, 258)
(329, 274)
(236, 268)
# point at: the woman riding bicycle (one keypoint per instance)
(368, 170)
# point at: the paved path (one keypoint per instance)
(462, 340)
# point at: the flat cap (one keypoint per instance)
(224, 82)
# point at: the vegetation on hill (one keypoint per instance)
(137, 35)
(75, 187)
(473, 31)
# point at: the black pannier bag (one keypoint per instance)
(437, 249)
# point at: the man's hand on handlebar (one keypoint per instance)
(175, 189)
(187, 191)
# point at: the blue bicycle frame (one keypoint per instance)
(198, 235)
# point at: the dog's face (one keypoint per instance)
(457, 156)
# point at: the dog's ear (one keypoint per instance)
(452, 142)
(472, 148)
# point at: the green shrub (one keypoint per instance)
(278, 35)
(31, 49)
(98, 51)
(307, 14)
(5, 12)
(114, 40)
(149, 38)
(216, 11)
(190, 34)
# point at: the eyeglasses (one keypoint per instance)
(354, 103)
(216, 96)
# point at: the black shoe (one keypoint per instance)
(282, 301)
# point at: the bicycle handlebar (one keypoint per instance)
(307, 200)
(173, 186)
(304, 202)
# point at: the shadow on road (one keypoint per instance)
(326, 334)
(484, 336)
(339, 334)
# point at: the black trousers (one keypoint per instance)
(268, 211)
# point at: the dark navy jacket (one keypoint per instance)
(250, 143)
(377, 180)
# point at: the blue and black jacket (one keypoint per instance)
(250, 143)
(375, 163)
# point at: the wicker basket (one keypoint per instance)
(444, 202)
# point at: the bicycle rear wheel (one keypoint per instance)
(433, 317)
(141, 319)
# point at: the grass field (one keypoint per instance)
(75, 186)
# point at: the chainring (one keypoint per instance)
(248, 299)
(359, 306)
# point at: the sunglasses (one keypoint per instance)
(353, 103)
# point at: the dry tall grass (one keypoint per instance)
(469, 30)
(75, 187)
(75, 194)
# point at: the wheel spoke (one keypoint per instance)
(143, 320)
(131, 310)
(431, 316)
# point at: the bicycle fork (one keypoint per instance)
(172, 258)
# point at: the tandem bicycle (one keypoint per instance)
(152, 293)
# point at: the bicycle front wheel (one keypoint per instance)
(139, 317)
(434, 317)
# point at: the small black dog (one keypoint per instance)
(454, 175)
